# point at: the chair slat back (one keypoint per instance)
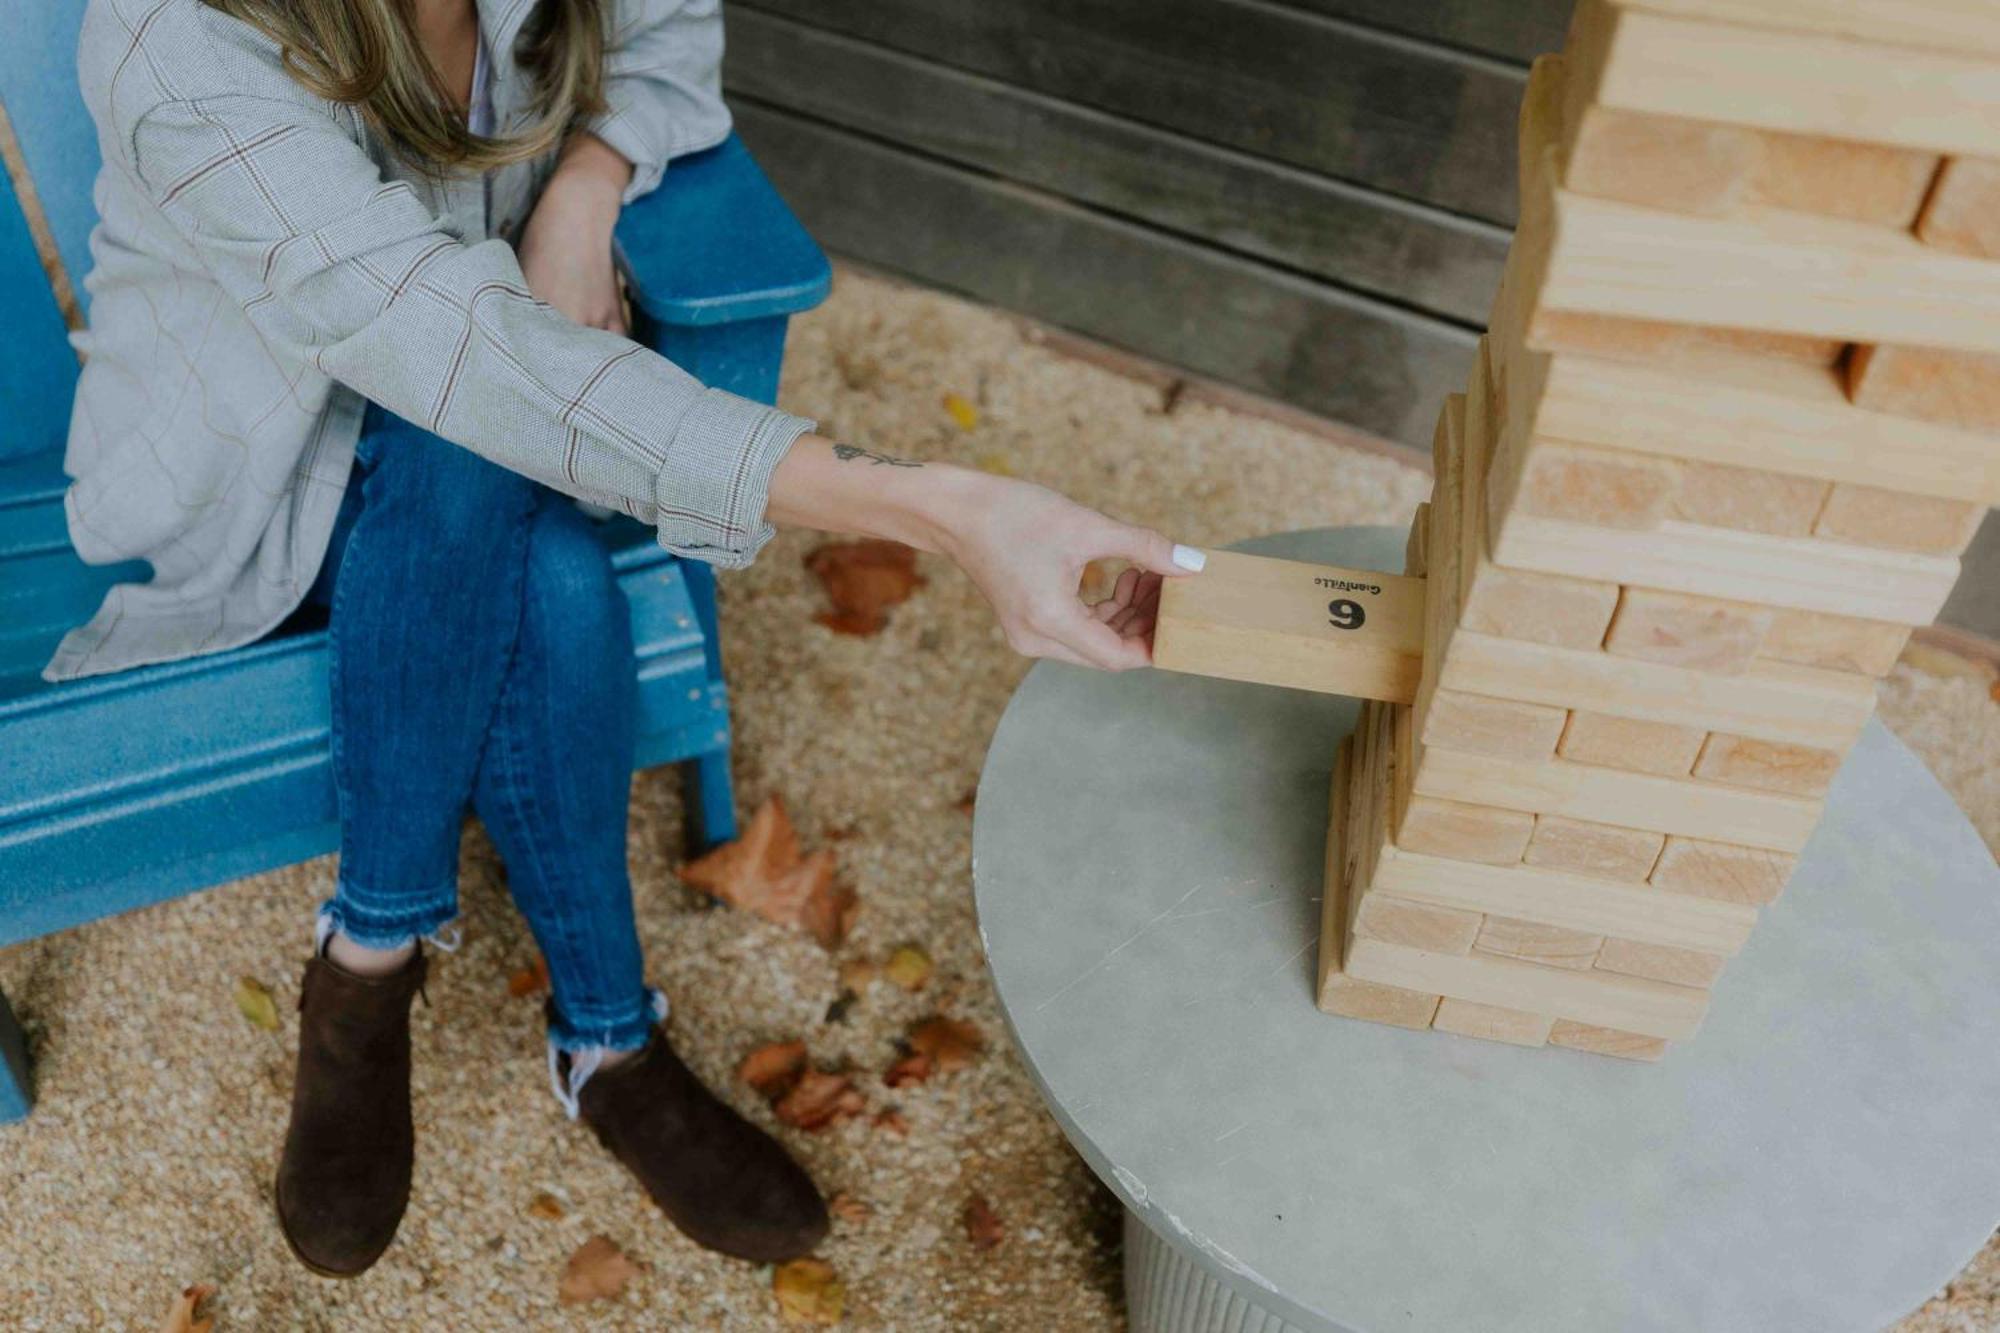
(55, 144)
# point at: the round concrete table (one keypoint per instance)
(1822, 1156)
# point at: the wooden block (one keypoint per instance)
(1538, 942)
(1345, 997)
(1766, 765)
(1759, 268)
(1898, 521)
(1680, 347)
(1778, 414)
(1539, 608)
(1463, 831)
(1948, 25)
(1603, 851)
(1698, 632)
(1503, 727)
(1604, 487)
(1305, 626)
(1723, 871)
(1683, 967)
(1488, 1022)
(1592, 906)
(1717, 495)
(1796, 75)
(1835, 643)
(1632, 1004)
(1339, 993)
(1688, 166)
(1963, 212)
(1691, 808)
(1935, 383)
(1383, 916)
(1775, 700)
(1818, 573)
(1630, 743)
(1416, 562)
(1710, 169)
(1810, 574)
(1605, 1041)
(1872, 183)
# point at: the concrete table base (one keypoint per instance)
(1146, 858)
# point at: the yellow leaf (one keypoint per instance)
(809, 1292)
(909, 967)
(256, 1003)
(995, 463)
(962, 411)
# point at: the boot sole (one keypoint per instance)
(278, 1208)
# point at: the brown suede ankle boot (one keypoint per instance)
(724, 1182)
(344, 1179)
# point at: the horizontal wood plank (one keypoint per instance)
(1375, 365)
(1372, 108)
(1360, 238)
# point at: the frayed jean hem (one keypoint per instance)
(576, 1052)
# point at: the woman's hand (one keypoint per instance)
(1024, 546)
(565, 248)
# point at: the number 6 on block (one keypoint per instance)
(1307, 627)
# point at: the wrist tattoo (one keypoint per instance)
(848, 452)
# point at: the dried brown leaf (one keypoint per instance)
(809, 1291)
(892, 1122)
(965, 803)
(951, 1043)
(547, 1207)
(863, 579)
(983, 1226)
(819, 1100)
(187, 1306)
(909, 967)
(911, 1069)
(530, 980)
(763, 872)
(849, 1209)
(857, 975)
(773, 1068)
(598, 1271)
(256, 1004)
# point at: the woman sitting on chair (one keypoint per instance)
(356, 337)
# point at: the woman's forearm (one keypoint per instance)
(866, 493)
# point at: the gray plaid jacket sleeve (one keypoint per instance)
(351, 272)
(663, 85)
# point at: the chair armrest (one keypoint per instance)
(714, 244)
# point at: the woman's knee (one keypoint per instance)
(571, 586)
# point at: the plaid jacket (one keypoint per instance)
(263, 265)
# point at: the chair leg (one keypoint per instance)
(709, 800)
(16, 1095)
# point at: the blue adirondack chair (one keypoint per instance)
(125, 790)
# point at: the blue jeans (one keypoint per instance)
(482, 655)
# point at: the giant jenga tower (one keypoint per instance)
(1736, 415)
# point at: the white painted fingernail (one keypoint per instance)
(1190, 559)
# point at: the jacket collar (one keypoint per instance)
(500, 23)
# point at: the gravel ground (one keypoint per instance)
(147, 1165)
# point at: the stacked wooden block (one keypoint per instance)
(1736, 416)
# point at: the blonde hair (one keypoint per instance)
(366, 53)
